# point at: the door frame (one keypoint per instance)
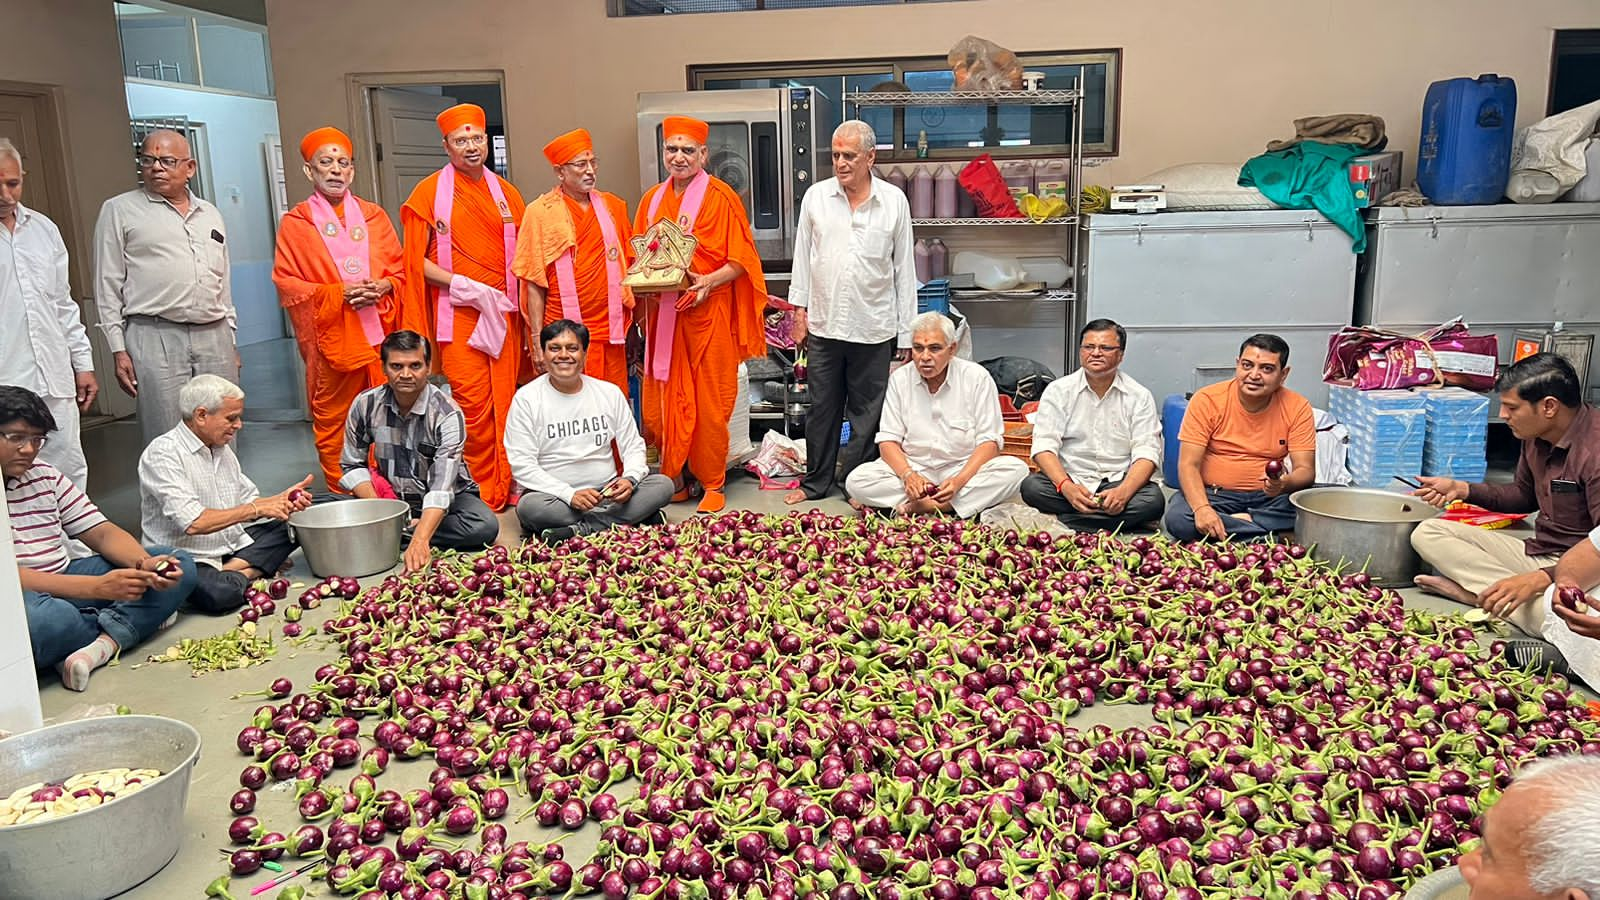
(59, 183)
(358, 92)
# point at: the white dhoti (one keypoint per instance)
(875, 484)
(1582, 653)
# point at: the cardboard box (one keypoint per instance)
(1375, 175)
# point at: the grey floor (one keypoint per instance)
(275, 453)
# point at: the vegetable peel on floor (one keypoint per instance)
(237, 648)
(819, 706)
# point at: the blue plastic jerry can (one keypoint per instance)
(1464, 158)
(1172, 411)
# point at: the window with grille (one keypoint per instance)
(953, 132)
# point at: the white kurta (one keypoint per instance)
(43, 343)
(1582, 653)
(854, 271)
(1097, 438)
(939, 431)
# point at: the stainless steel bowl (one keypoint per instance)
(1363, 528)
(351, 538)
(103, 851)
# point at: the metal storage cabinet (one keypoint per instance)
(1501, 267)
(1189, 286)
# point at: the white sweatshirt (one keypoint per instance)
(560, 444)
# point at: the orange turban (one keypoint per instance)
(563, 149)
(462, 114)
(322, 137)
(693, 129)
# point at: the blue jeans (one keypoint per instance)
(1267, 514)
(59, 626)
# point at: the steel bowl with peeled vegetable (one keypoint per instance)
(351, 538)
(1362, 528)
(106, 850)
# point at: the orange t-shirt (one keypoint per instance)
(1237, 442)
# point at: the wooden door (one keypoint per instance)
(408, 144)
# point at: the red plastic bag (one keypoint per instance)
(1369, 359)
(990, 195)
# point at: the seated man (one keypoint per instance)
(1234, 438)
(1533, 845)
(81, 612)
(417, 434)
(1097, 441)
(940, 433)
(1571, 630)
(194, 496)
(574, 447)
(1558, 474)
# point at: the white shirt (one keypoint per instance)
(944, 427)
(854, 269)
(1097, 438)
(150, 260)
(179, 479)
(37, 312)
(560, 443)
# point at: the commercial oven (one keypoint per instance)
(768, 144)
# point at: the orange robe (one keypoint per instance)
(536, 262)
(339, 362)
(480, 384)
(688, 413)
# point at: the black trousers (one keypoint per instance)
(846, 380)
(1143, 509)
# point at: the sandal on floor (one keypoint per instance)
(1536, 656)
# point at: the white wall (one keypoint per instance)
(236, 129)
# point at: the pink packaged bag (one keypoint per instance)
(1370, 359)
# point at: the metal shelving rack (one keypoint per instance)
(1070, 98)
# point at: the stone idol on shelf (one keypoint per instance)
(662, 257)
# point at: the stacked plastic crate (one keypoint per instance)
(1387, 433)
(1458, 433)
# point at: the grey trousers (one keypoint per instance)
(538, 511)
(165, 356)
(1143, 510)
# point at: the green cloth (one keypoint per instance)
(1311, 175)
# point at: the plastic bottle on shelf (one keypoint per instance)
(1018, 174)
(923, 255)
(897, 177)
(938, 259)
(945, 189)
(966, 207)
(1051, 178)
(922, 144)
(922, 194)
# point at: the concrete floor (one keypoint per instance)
(276, 453)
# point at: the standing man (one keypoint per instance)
(575, 450)
(696, 338)
(856, 289)
(1097, 441)
(43, 346)
(940, 436)
(337, 270)
(460, 227)
(194, 496)
(417, 434)
(1234, 433)
(574, 246)
(161, 283)
(1558, 474)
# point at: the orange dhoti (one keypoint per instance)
(481, 384)
(554, 224)
(340, 361)
(688, 411)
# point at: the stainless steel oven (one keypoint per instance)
(768, 144)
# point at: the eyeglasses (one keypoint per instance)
(471, 140)
(25, 438)
(584, 165)
(1103, 348)
(675, 150)
(161, 162)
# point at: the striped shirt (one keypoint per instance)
(419, 452)
(43, 505)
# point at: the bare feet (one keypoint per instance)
(1444, 587)
(794, 496)
(857, 505)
